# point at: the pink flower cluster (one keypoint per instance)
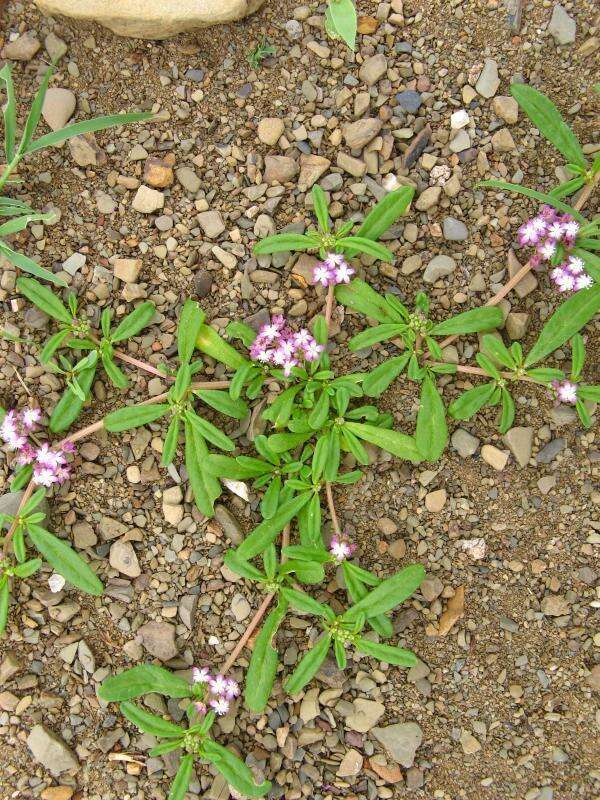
(49, 464)
(545, 232)
(571, 275)
(340, 548)
(332, 271)
(279, 345)
(566, 391)
(223, 691)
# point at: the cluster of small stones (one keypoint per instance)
(500, 699)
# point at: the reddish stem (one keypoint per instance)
(329, 304)
(334, 517)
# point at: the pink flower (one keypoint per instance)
(68, 447)
(583, 282)
(269, 332)
(555, 231)
(49, 458)
(323, 274)
(15, 440)
(200, 707)
(343, 273)
(547, 250)
(62, 474)
(288, 366)
(334, 260)
(312, 352)
(218, 684)
(44, 476)
(565, 282)
(220, 706)
(570, 229)
(26, 456)
(528, 234)
(341, 548)
(201, 675)
(232, 689)
(30, 418)
(567, 392)
(302, 338)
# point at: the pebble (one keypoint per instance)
(365, 714)
(270, 129)
(211, 223)
(158, 173)
(562, 27)
(159, 639)
(401, 741)
(123, 558)
(58, 107)
(469, 743)
(22, 49)
(74, 263)
(459, 119)
(548, 453)
(519, 441)
(439, 266)
(460, 142)
(240, 608)
(503, 142)
(506, 108)
(554, 605)
(360, 133)
(50, 750)
(372, 69)
(350, 765)
(229, 524)
(147, 200)
(429, 198)
(280, 169)
(410, 101)
(435, 501)
(454, 230)
(488, 81)
(188, 178)
(494, 457)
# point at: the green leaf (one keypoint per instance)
(44, 299)
(298, 552)
(285, 242)
(478, 319)
(170, 444)
(35, 112)
(216, 347)
(223, 403)
(566, 321)
(583, 413)
(577, 356)
(134, 416)
(20, 223)
(263, 662)
(141, 680)
(209, 431)
(52, 345)
(592, 262)
(432, 432)
(236, 469)
(280, 409)
(191, 320)
(305, 603)
(389, 594)
(508, 411)
(69, 406)
(265, 533)
(181, 781)
(385, 652)
(235, 772)
(379, 333)
(545, 374)
(33, 502)
(133, 323)
(320, 412)
(399, 444)
(469, 403)
(151, 723)
(27, 569)
(382, 376)
(117, 376)
(205, 487)
(4, 600)
(343, 18)
(9, 111)
(243, 568)
(29, 265)
(270, 499)
(282, 442)
(371, 248)
(535, 195)
(88, 126)
(320, 205)
(308, 666)
(65, 560)
(547, 119)
(496, 349)
(587, 392)
(385, 213)
(359, 296)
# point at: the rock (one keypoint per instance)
(240, 608)
(503, 142)
(311, 169)
(59, 105)
(58, 793)
(488, 81)
(454, 230)
(55, 47)
(279, 169)
(372, 69)
(147, 200)
(429, 198)
(22, 49)
(159, 639)
(50, 751)
(309, 707)
(350, 765)
(416, 147)
(469, 743)
(83, 535)
(593, 678)
(516, 324)
(519, 441)
(152, 19)
(401, 741)
(555, 605)
(439, 267)
(9, 667)
(464, 443)
(74, 263)
(527, 284)
(431, 588)
(435, 501)
(188, 178)
(562, 27)
(358, 134)
(211, 223)
(203, 281)
(548, 453)
(110, 528)
(122, 557)
(105, 203)
(270, 129)
(410, 101)
(462, 141)
(506, 108)
(85, 151)
(365, 715)
(390, 773)
(494, 457)
(353, 166)
(157, 172)
(172, 513)
(127, 269)
(10, 502)
(231, 527)
(459, 119)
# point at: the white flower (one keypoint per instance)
(200, 675)
(30, 417)
(576, 265)
(567, 392)
(220, 706)
(218, 684)
(583, 282)
(44, 476)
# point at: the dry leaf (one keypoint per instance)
(237, 487)
(367, 24)
(454, 611)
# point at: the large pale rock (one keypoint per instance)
(152, 19)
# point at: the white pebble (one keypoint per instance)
(459, 120)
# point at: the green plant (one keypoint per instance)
(341, 21)
(16, 149)
(262, 50)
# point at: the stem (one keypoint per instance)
(11, 532)
(334, 517)
(478, 371)
(143, 365)
(329, 304)
(260, 612)
(8, 169)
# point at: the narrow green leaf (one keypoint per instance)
(65, 560)
(432, 432)
(9, 111)
(151, 723)
(4, 601)
(283, 243)
(263, 662)
(389, 594)
(496, 349)
(368, 246)
(265, 533)
(385, 652)
(223, 403)
(35, 112)
(205, 487)
(209, 342)
(134, 416)
(88, 126)
(27, 264)
(469, 403)
(534, 195)
(477, 319)
(141, 680)
(134, 322)
(235, 772)
(53, 344)
(116, 376)
(383, 375)
(308, 666)
(379, 333)
(183, 776)
(320, 206)
(320, 412)
(209, 431)
(69, 406)
(344, 20)
(191, 320)
(44, 299)
(170, 444)
(507, 416)
(359, 296)
(385, 213)
(399, 444)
